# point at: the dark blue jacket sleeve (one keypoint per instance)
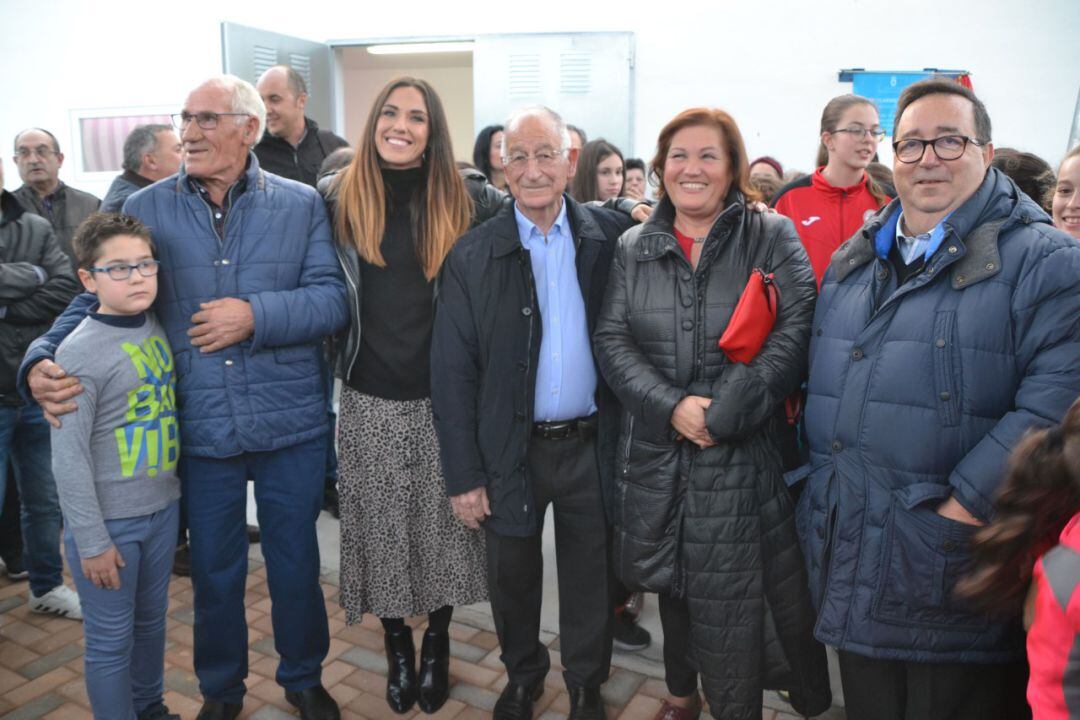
(317, 307)
(44, 348)
(1046, 322)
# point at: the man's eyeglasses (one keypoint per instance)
(544, 158)
(41, 151)
(946, 147)
(859, 132)
(122, 271)
(206, 120)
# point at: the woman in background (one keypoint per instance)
(487, 155)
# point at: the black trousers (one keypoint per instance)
(679, 672)
(564, 474)
(898, 690)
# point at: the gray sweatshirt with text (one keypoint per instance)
(116, 456)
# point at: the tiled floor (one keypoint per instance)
(41, 665)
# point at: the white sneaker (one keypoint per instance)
(61, 600)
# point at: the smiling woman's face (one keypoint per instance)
(697, 174)
(401, 132)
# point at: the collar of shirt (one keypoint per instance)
(529, 233)
(927, 243)
(909, 247)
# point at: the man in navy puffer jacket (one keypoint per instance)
(249, 286)
(945, 329)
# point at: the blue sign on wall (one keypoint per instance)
(884, 89)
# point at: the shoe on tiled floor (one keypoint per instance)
(157, 711)
(61, 600)
(628, 635)
(15, 569)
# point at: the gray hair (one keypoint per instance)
(143, 139)
(538, 111)
(245, 99)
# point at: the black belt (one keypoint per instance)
(562, 429)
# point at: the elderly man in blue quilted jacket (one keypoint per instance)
(946, 328)
(249, 286)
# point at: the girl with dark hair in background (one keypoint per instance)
(1029, 557)
(397, 209)
(599, 174)
(1030, 172)
(829, 206)
(487, 155)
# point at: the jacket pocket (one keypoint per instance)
(647, 515)
(293, 353)
(923, 557)
(947, 368)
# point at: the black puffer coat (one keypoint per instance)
(715, 526)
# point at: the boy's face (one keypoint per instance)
(122, 297)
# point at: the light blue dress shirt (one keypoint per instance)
(925, 244)
(566, 374)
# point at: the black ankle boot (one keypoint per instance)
(434, 670)
(401, 670)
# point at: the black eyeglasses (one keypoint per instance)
(946, 147)
(877, 133)
(122, 271)
(206, 120)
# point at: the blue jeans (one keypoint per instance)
(288, 494)
(125, 628)
(24, 439)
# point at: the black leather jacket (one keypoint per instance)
(715, 526)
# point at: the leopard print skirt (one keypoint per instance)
(403, 551)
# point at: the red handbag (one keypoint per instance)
(753, 318)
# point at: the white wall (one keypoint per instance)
(772, 64)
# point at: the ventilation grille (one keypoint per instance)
(575, 70)
(524, 75)
(263, 58)
(302, 65)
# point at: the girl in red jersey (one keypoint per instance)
(829, 206)
(1016, 556)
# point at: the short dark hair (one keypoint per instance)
(141, 140)
(635, 164)
(295, 81)
(97, 229)
(579, 131)
(944, 86)
(55, 142)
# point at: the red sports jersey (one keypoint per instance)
(1053, 642)
(825, 216)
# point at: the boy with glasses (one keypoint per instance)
(115, 465)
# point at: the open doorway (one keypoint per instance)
(363, 74)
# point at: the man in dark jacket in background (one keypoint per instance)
(36, 283)
(293, 146)
(38, 157)
(945, 329)
(151, 152)
(523, 416)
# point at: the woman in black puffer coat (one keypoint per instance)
(703, 516)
